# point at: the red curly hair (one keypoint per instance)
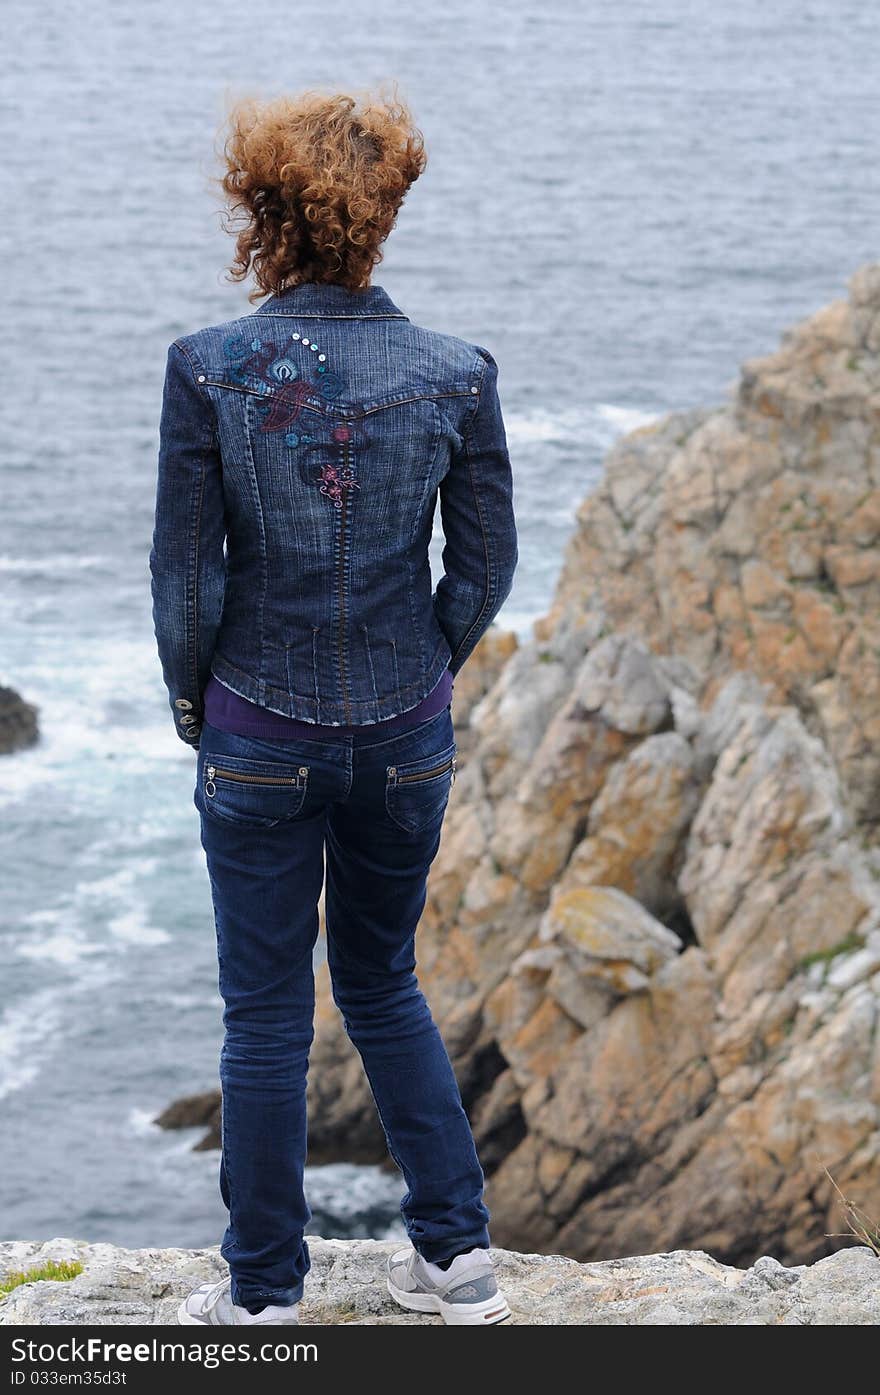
(313, 185)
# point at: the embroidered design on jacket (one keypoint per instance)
(265, 367)
(338, 476)
(285, 406)
(330, 386)
(249, 362)
(283, 369)
(334, 480)
(281, 378)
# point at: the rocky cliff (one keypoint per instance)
(652, 937)
(346, 1286)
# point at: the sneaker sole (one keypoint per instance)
(485, 1314)
(186, 1319)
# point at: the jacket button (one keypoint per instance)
(475, 390)
(182, 702)
(201, 377)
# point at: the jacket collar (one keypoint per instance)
(327, 299)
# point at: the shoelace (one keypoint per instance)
(411, 1266)
(213, 1296)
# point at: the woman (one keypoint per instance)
(310, 666)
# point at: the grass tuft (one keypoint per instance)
(60, 1271)
(860, 1224)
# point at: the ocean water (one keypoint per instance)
(622, 202)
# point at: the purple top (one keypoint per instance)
(228, 711)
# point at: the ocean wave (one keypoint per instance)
(95, 920)
(32, 1028)
(622, 420)
(78, 691)
(26, 1030)
(350, 1189)
(118, 883)
(133, 928)
(53, 566)
(143, 1122)
(57, 936)
(61, 949)
(85, 935)
(597, 424)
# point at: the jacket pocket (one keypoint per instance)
(252, 793)
(417, 792)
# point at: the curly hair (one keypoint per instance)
(313, 185)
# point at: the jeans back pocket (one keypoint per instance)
(255, 793)
(417, 791)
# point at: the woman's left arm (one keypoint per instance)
(187, 562)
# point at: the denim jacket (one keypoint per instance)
(302, 449)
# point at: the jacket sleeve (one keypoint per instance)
(187, 562)
(479, 528)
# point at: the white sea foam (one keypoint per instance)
(348, 1189)
(67, 934)
(121, 894)
(169, 1146)
(54, 935)
(118, 883)
(78, 691)
(622, 420)
(129, 838)
(182, 1002)
(540, 426)
(51, 566)
(597, 425)
(25, 1031)
(133, 927)
(33, 1027)
(143, 1122)
(58, 949)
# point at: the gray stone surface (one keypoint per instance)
(346, 1285)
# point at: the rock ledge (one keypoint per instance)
(683, 1288)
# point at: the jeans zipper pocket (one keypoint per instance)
(212, 772)
(423, 774)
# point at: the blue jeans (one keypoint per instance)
(269, 809)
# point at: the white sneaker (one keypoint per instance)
(211, 1305)
(464, 1294)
